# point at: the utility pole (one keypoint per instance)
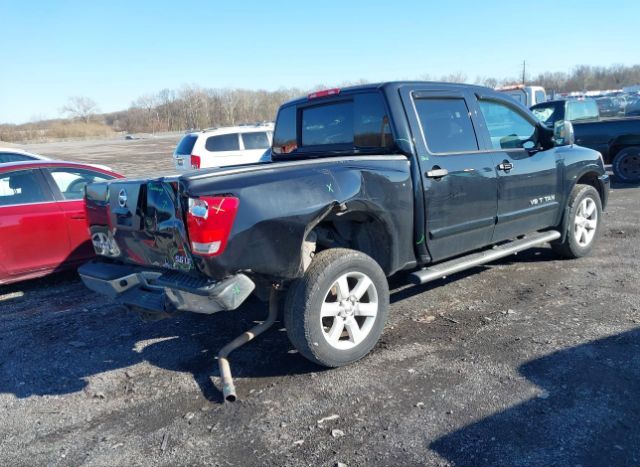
(524, 72)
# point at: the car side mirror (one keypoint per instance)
(563, 134)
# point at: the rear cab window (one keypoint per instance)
(349, 123)
(578, 110)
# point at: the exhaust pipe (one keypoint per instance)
(228, 388)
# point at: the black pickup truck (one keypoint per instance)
(617, 139)
(431, 178)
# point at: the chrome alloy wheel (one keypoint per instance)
(349, 310)
(586, 222)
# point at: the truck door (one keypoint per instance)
(529, 190)
(459, 179)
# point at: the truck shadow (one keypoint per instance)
(588, 413)
(54, 335)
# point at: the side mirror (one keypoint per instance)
(563, 133)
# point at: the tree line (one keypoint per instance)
(195, 107)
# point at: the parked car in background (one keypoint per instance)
(608, 106)
(632, 109)
(617, 139)
(18, 155)
(43, 226)
(222, 147)
(526, 95)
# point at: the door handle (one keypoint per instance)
(437, 172)
(505, 166)
(78, 216)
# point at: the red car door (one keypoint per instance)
(68, 186)
(33, 231)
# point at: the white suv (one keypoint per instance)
(221, 147)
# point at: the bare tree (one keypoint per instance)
(80, 107)
(149, 104)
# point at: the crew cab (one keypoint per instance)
(364, 182)
(617, 139)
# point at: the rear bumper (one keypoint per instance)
(162, 291)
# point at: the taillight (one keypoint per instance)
(195, 161)
(209, 221)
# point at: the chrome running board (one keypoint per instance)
(442, 270)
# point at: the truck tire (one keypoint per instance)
(335, 313)
(583, 225)
(626, 165)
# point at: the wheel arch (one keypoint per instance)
(360, 230)
(588, 177)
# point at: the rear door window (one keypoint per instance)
(255, 140)
(446, 125)
(219, 143)
(22, 187)
(186, 145)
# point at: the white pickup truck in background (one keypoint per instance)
(526, 95)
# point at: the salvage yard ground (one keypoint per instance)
(527, 361)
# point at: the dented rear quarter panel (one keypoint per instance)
(281, 202)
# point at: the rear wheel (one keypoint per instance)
(335, 313)
(626, 165)
(585, 214)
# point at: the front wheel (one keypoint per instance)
(583, 225)
(335, 313)
(626, 165)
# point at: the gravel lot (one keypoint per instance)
(528, 361)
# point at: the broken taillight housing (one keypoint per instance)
(209, 222)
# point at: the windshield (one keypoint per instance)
(547, 114)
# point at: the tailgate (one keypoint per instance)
(140, 222)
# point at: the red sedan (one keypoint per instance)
(43, 227)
